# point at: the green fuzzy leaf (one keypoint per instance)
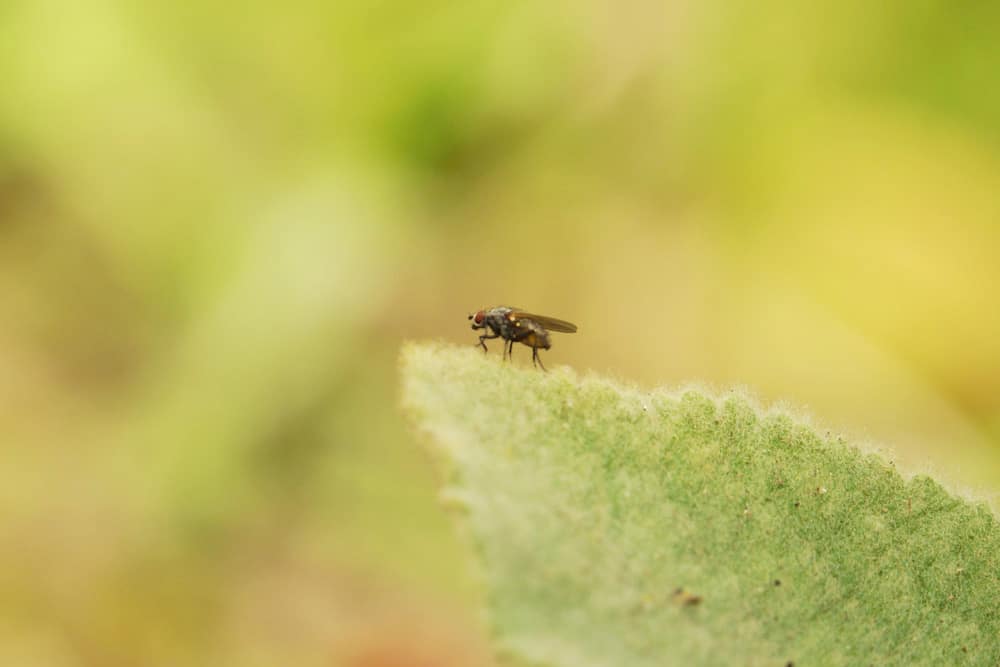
(592, 505)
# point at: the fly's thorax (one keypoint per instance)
(497, 320)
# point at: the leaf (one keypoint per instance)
(601, 513)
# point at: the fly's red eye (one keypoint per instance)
(479, 317)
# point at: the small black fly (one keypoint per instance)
(517, 326)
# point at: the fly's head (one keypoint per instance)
(478, 319)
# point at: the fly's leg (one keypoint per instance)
(486, 337)
(535, 357)
(510, 350)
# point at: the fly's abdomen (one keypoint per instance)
(538, 340)
(533, 335)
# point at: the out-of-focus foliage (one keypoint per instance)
(217, 225)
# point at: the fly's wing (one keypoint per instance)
(550, 323)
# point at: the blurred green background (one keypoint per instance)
(218, 223)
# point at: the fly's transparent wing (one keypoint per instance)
(550, 323)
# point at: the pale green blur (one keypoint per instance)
(218, 222)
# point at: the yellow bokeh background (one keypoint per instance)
(218, 224)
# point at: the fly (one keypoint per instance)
(517, 326)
